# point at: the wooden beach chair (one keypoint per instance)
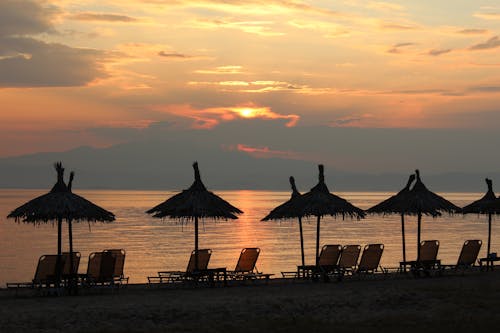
(66, 270)
(45, 274)
(468, 255)
(189, 274)
(119, 255)
(426, 261)
(349, 258)
(370, 259)
(245, 267)
(100, 270)
(328, 262)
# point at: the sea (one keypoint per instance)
(154, 245)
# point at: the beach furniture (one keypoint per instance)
(328, 262)
(349, 258)
(101, 270)
(190, 273)
(370, 259)
(427, 260)
(45, 274)
(66, 268)
(468, 255)
(245, 267)
(119, 255)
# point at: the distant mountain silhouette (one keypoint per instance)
(163, 164)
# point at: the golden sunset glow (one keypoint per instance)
(78, 73)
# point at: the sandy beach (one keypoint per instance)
(449, 303)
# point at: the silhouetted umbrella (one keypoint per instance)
(58, 205)
(395, 204)
(194, 203)
(320, 202)
(488, 204)
(422, 201)
(287, 210)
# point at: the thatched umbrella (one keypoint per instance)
(394, 205)
(287, 210)
(195, 203)
(58, 205)
(320, 202)
(488, 204)
(422, 201)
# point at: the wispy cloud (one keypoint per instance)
(491, 43)
(265, 152)
(397, 26)
(473, 31)
(208, 118)
(488, 16)
(229, 69)
(396, 48)
(436, 52)
(102, 17)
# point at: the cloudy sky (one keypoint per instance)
(104, 72)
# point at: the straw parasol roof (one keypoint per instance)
(421, 200)
(289, 209)
(395, 204)
(58, 205)
(320, 202)
(194, 203)
(488, 204)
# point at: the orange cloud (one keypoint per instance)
(210, 117)
(265, 152)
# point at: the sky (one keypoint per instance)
(363, 75)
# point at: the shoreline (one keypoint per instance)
(392, 303)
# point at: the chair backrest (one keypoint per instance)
(329, 255)
(101, 266)
(247, 260)
(67, 263)
(119, 255)
(349, 256)
(47, 268)
(203, 259)
(469, 252)
(370, 259)
(428, 250)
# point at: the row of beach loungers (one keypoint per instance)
(104, 268)
(335, 261)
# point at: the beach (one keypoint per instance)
(389, 303)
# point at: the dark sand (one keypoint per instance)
(469, 303)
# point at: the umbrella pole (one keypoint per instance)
(59, 251)
(71, 261)
(317, 240)
(301, 241)
(404, 242)
(418, 235)
(196, 242)
(489, 235)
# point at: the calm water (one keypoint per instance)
(154, 245)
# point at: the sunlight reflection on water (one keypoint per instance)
(154, 244)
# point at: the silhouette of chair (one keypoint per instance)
(370, 259)
(119, 255)
(191, 270)
(327, 262)
(100, 269)
(245, 267)
(427, 259)
(45, 273)
(349, 258)
(468, 255)
(66, 270)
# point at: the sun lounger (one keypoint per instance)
(245, 267)
(426, 261)
(66, 270)
(468, 255)
(349, 258)
(370, 259)
(328, 262)
(190, 273)
(119, 255)
(100, 270)
(45, 273)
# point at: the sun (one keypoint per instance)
(247, 112)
